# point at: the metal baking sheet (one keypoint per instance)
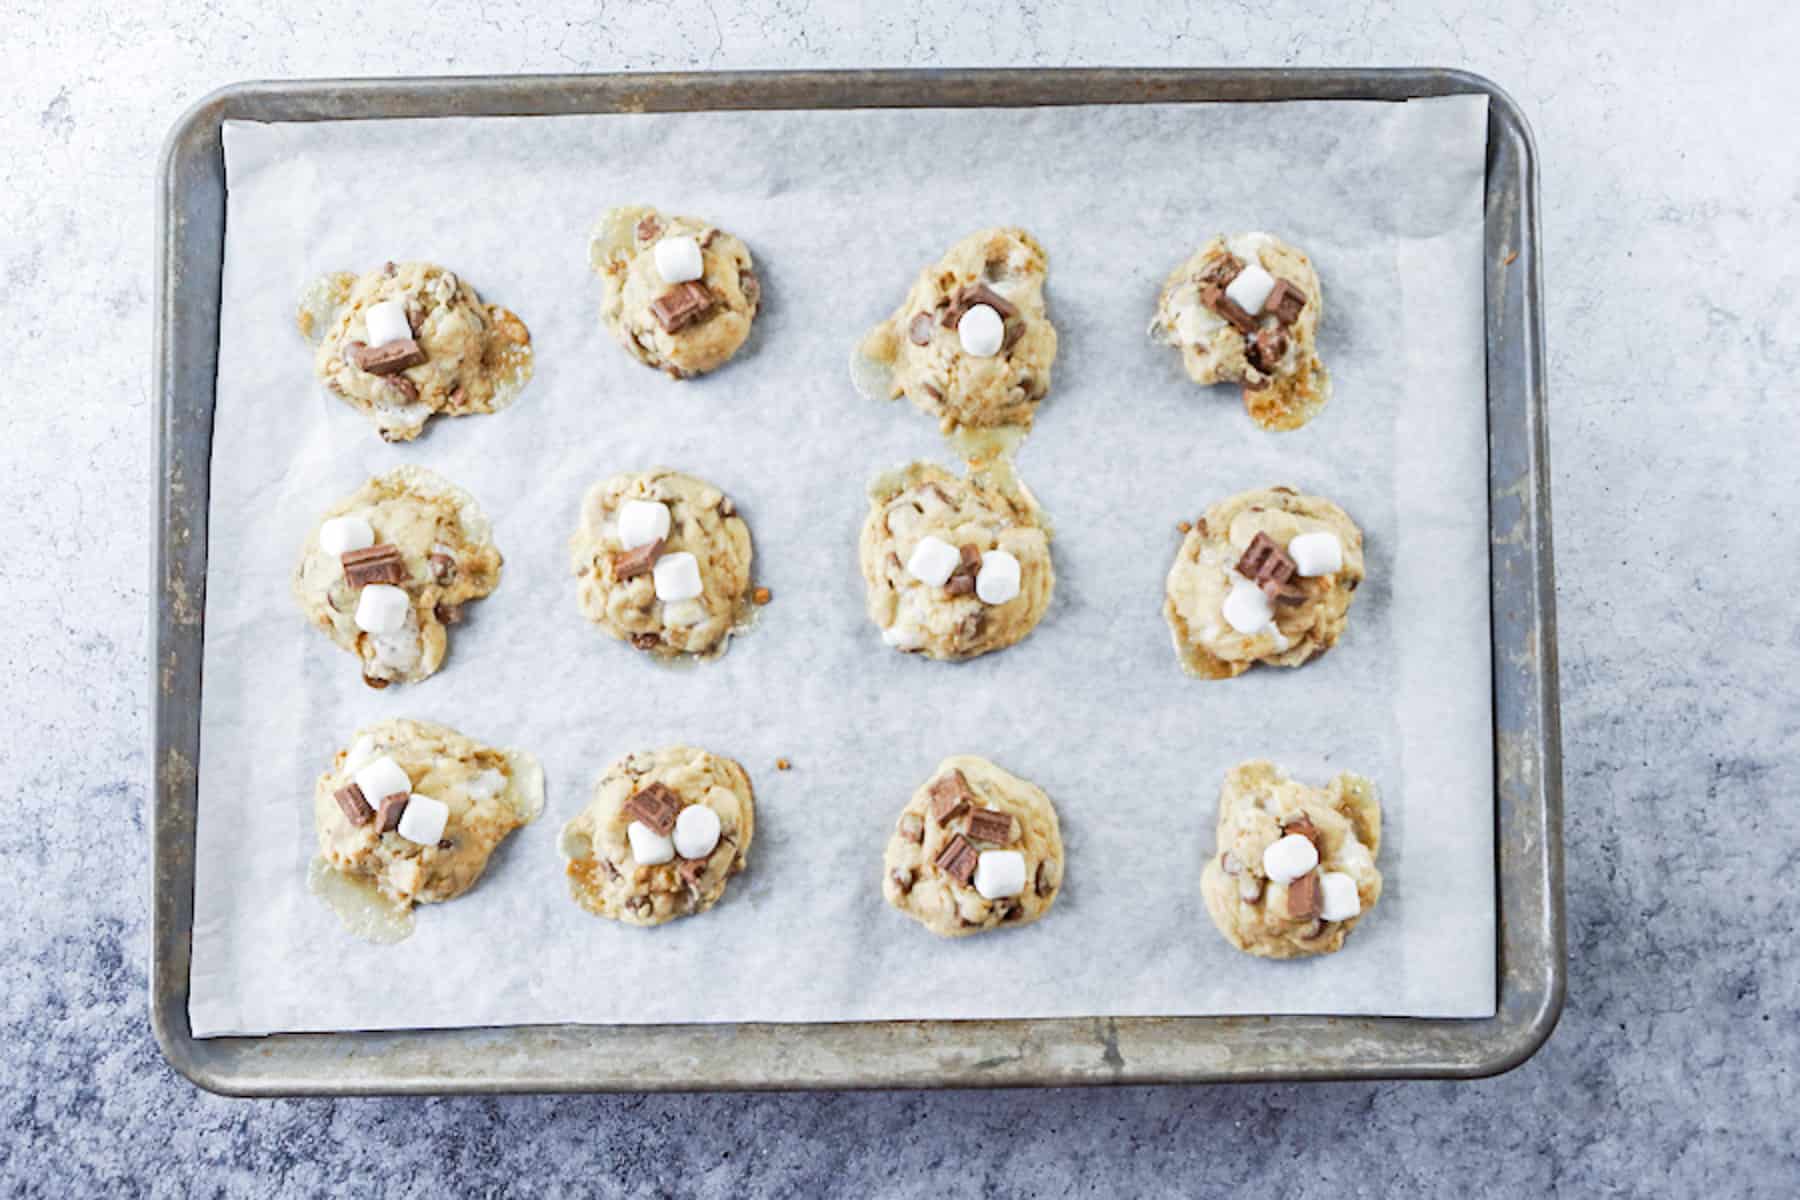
(891, 1053)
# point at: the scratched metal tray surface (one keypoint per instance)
(1527, 737)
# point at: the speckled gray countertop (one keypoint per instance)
(1671, 201)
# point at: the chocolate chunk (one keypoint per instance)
(409, 391)
(958, 859)
(1285, 302)
(1216, 299)
(912, 827)
(1316, 929)
(446, 844)
(396, 355)
(656, 806)
(950, 796)
(1049, 874)
(690, 870)
(629, 564)
(371, 681)
(448, 614)
(1015, 329)
(960, 584)
(683, 305)
(380, 563)
(919, 331)
(455, 402)
(357, 809)
(415, 316)
(443, 567)
(991, 825)
(647, 228)
(1303, 826)
(388, 819)
(1013, 911)
(1267, 349)
(903, 879)
(1220, 271)
(1269, 566)
(981, 293)
(1303, 897)
(646, 641)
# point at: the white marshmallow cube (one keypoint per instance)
(696, 831)
(380, 779)
(678, 259)
(1251, 287)
(1247, 609)
(361, 751)
(424, 819)
(648, 846)
(386, 322)
(1290, 857)
(677, 577)
(642, 522)
(340, 535)
(981, 331)
(382, 608)
(999, 874)
(998, 580)
(932, 561)
(1316, 554)
(1339, 901)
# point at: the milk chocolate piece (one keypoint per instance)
(656, 806)
(991, 825)
(958, 859)
(629, 564)
(1303, 897)
(1049, 874)
(396, 355)
(1015, 329)
(962, 579)
(647, 228)
(443, 567)
(966, 298)
(646, 641)
(950, 796)
(380, 563)
(1272, 570)
(1267, 349)
(409, 391)
(1214, 297)
(690, 871)
(388, 819)
(1303, 826)
(682, 305)
(919, 331)
(357, 809)
(1220, 271)
(1285, 302)
(448, 614)
(912, 827)
(960, 584)
(903, 879)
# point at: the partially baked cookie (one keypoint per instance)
(662, 560)
(680, 293)
(955, 568)
(974, 849)
(1294, 869)
(664, 833)
(415, 809)
(390, 567)
(1246, 309)
(971, 344)
(1264, 577)
(409, 340)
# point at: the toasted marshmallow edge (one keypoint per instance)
(1316, 554)
(1246, 609)
(382, 608)
(648, 846)
(932, 561)
(642, 522)
(1289, 857)
(678, 259)
(380, 779)
(999, 873)
(696, 831)
(1338, 898)
(981, 331)
(1251, 287)
(424, 819)
(998, 580)
(677, 577)
(386, 322)
(340, 535)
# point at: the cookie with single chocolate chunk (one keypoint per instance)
(976, 848)
(953, 567)
(1246, 309)
(662, 560)
(1294, 867)
(679, 293)
(1263, 577)
(971, 344)
(410, 340)
(390, 567)
(665, 832)
(413, 810)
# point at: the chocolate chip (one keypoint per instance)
(1267, 349)
(958, 860)
(641, 560)
(903, 879)
(380, 563)
(950, 796)
(446, 844)
(1285, 302)
(396, 355)
(912, 827)
(919, 331)
(356, 809)
(991, 825)
(392, 807)
(683, 305)
(1220, 271)
(1303, 897)
(655, 806)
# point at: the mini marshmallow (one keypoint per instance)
(999, 874)
(361, 751)
(932, 561)
(904, 637)
(678, 259)
(341, 534)
(386, 322)
(684, 615)
(423, 820)
(382, 608)
(1289, 858)
(696, 831)
(1251, 287)
(677, 577)
(981, 331)
(380, 779)
(1317, 554)
(642, 522)
(1247, 610)
(1340, 901)
(998, 580)
(648, 846)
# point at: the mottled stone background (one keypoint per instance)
(1667, 135)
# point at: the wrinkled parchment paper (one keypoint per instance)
(840, 210)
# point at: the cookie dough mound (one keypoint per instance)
(459, 356)
(1298, 910)
(972, 345)
(1224, 620)
(1002, 577)
(448, 802)
(1246, 309)
(684, 325)
(975, 848)
(686, 590)
(412, 531)
(638, 854)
